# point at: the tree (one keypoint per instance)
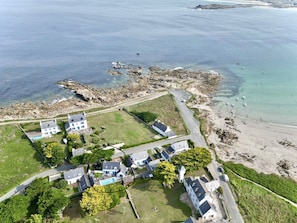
(36, 188)
(95, 199)
(54, 153)
(193, 159)
(72, 137)
(50, 202)
(61, 184)
(166, 173)
(35, 218)
(14, 209)
(146, 116)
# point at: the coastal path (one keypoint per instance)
(116, 107)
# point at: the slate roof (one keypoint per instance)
(77, 117)
(165, 155)
(48, 124)
(204, 207)
(70, 174)
(197, 188)
(191, 220)
(107, 165)
(160, 126)
(84, 182)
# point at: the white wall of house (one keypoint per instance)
(73, 180)
(76, 126)
(48, 132)
(159, 131)
(210, 214)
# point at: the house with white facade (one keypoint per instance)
(200, 197)
(178, 147)
(163, 130)
(49, 128)
(114, 169)
(76, 122)
(139, 159)
(78, 176)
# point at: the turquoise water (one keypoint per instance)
(42, 42)
(108, 181)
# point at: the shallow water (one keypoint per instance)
(42, 42)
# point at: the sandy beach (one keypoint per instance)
(265, 147)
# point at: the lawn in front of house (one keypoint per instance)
(18, 160)
(119, 126)
(167, 112)
(153, 203)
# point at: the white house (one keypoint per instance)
(178, 147)
(74, 175)
(49, 128)
(78, 176)
(200, 197)
(163, 130)
(114, 169)
(207, 210)
(76, 122)
(139, 159)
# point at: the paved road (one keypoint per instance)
(195, 135)
(27, 182)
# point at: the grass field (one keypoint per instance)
(18, 160)
(121, 127)
(259, 206)
(166, 110)
(146, 195)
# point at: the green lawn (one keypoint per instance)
(18, 160)
(146, 195)
(166, 110)
(120, 127)
(259, 206)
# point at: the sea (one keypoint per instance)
(255, 49)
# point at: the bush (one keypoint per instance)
(145, 116)
(61, 184)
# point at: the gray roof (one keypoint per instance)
(139, 156)
(197, 188)
(84, 182)
(160, 126)
(191, 220)
(77, 117)
(179, 146)
(78, 152)
(74, 173)
(48, 124)
(204, 207)
(170, 134)
(107, 165)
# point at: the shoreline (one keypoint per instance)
(265, 147)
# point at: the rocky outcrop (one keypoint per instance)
(140, 84)
(223, 6)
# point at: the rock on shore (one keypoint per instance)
(140, 84)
